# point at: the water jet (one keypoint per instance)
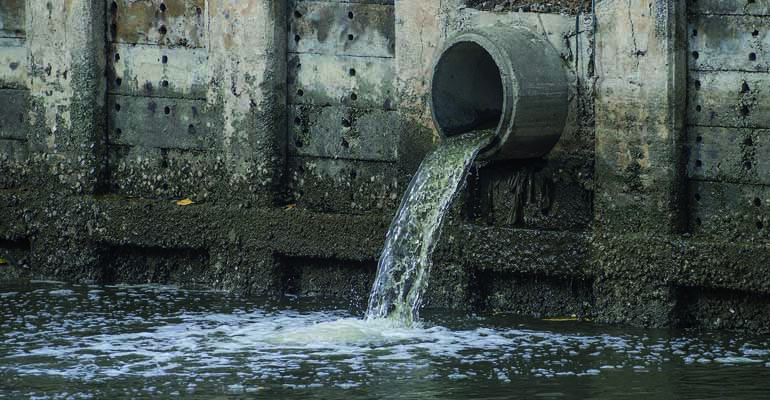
(498, 91)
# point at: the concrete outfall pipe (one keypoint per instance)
(504, 77)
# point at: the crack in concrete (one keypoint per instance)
(637, 52)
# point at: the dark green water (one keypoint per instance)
(62, 341)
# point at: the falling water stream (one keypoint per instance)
(73, 341)
(404, 266)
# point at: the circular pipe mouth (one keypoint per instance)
(467, 92)
(510, 80)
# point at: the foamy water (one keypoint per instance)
(61, 341)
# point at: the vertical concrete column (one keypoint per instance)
(247, 72)
(418, 41)
(67, 89)
(640, 102)
(641, 64)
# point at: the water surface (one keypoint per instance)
(80, 341)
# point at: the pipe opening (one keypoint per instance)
(467, 91)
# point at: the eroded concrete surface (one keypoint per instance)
(294, 127)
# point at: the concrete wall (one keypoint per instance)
(294, 127)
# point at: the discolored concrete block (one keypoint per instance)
(13, 64)
(13, 19)
(351, 29)
(727, 42)
(153, 71)
(158, 22)
(362, 82)
(729, 210)
(729, 7)
(14, 123)
(158, 122)
(728, 98)
(344, 186)
(348, 133)
(729, 155)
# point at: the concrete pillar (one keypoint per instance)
(247, 71)
(640, 100)
(67, 89)
(418, 40)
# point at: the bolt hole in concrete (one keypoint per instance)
(164, 83)
(118, 81)
(748, 142)
(351, 15)
(698, 163)
(297, 14)
(300, 93)
(698, 108)
(353, 97)
(694, 32)
(191, 129)
(695, 55)
(118, 131)
(198, 10)
(697, 85)
(163, 30)
(346, 123)
(167, 110)
(297, 121)
(352, 72)
(296, 38)
(351, 37)
(760, 225)
(752, 56)
(467, 95)
(755, 33)
(745, 87)
(747, 165)
(697, 197)
(298, 143)
(164, 59)
(117, 56)
(162, 7)
(757, 202)
(117, 107)
(699, 139)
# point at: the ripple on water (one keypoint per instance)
(170, 340)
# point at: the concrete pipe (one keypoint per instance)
(503, 77)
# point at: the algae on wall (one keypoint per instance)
(651, 210)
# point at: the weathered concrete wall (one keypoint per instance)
(296, 126)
